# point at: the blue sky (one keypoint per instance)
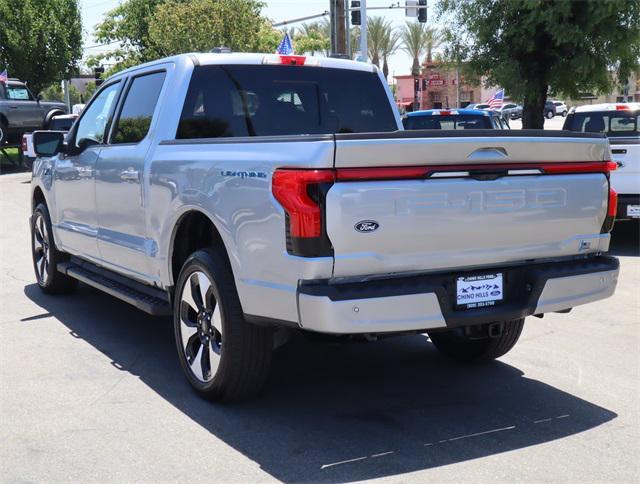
(277, 10)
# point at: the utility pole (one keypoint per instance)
(347, 27)
(338, 40)
(364, 55)
(67, 96)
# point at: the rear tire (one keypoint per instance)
(46, 256)
(456, 345)
(550, 115)
(3, 133)
(223, 357)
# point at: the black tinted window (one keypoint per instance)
(231, 101)
(613, 123)
(447, 122)
(137, 110)
(61, 124)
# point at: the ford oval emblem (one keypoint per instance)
(366, 226)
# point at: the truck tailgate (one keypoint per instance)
(419, 204)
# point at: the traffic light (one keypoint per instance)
(356, 18)
(97, 75)
(422, 12)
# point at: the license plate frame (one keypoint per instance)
(479, 290)
(633, 211)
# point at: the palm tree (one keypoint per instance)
(414, 43)
(377, 30)
(433, 40)
(389, 47)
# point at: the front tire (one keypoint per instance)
(223, 357)
(46, 256)
(456, 345)
(564, 114)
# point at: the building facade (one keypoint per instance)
(439, 86)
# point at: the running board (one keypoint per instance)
(146, 298)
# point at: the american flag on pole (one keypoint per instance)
(4, 77)
(495, 102)
(285, 47)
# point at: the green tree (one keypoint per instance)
(54, 93)
(127, 25)
(199, 25)
(414, 43)
(433, 40)
(40, 40)
(530, 47)
(311, 38)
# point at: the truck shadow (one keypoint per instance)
(625, 239)
(340, 412)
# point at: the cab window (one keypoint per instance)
(92, 125)
(138, 107)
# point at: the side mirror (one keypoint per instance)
(48, 143)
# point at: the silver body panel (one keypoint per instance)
(129, 225)
(460, 222)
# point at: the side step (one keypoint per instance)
(146, 298)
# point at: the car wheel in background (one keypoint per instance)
(550, 115)
(564, 114)
(3, 133)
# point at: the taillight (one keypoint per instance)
(302, 195)
(612, 210)
(23, 145)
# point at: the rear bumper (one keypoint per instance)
(428, 301)
(623, 203)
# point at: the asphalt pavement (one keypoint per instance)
(91, 390)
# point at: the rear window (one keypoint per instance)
(232, 101)
(447, 122)
(61, 124)
(612, 123)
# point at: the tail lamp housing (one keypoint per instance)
(302, 194)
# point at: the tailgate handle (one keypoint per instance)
(488, 154)
(619, 152)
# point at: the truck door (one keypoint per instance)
(25, 111)
(75, 224)
(120, 184)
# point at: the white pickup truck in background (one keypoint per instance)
(621, 123)
(250, 194)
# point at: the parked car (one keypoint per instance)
(477, 106)
(549, 110)
(254, 194)
(62, 122)
(561, 108)
(510, 111)
(454, 119)
(620, 122)
(21, 111)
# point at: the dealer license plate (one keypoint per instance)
(479, 291)
(633, 211)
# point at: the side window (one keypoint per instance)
(91, 127)
(138, 107)
(19, 93)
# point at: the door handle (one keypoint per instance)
(130, 175)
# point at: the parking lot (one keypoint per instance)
(91, 390)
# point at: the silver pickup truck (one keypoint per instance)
(248, 194)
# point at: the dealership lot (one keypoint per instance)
(91, 390)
